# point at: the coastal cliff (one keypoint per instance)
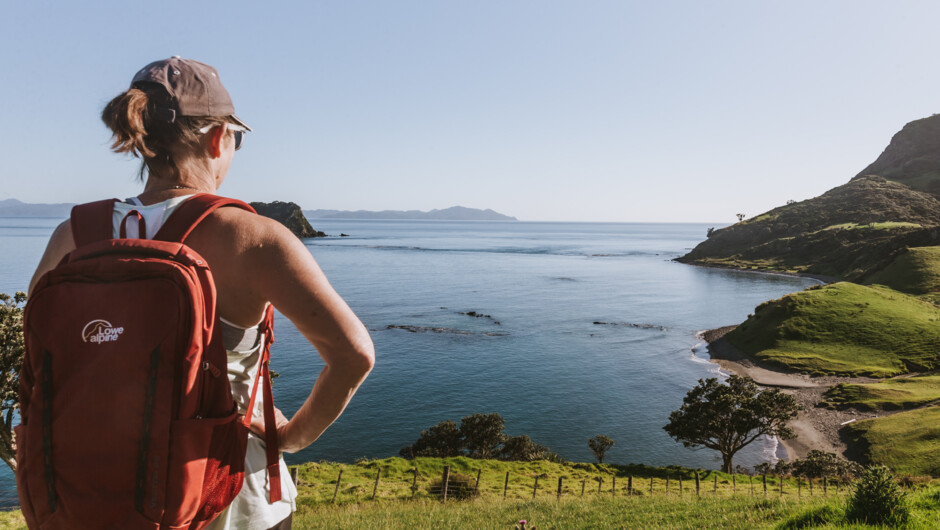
(855, 352)
(288, 214)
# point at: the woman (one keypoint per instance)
(179, 119)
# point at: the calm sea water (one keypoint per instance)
(591, 329)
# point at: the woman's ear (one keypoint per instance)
(215, 136)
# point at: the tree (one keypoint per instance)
(599, 446)
(482, 434)
(441, 440)
(728, 417)
(740, 216)
(818, 464)
(522, 449)
(11, 357)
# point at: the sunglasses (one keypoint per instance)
(236, 130)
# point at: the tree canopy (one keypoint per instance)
(728, 417)
(599, 446)
(11, 357)
(478, 436)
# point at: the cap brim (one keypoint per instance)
(239, 122)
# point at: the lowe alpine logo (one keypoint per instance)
(99, 331)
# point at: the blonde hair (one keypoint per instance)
(137, 128)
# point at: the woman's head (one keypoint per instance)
(165, 114)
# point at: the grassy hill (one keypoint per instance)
(914, 271)
(844, 329)
(908, 442)
(852, 230)
(845, 233)
(734, 505)
(912, 157)
(889, 394)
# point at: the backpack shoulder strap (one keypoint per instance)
(189, 214)
(92, 222)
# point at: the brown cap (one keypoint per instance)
(194, 88)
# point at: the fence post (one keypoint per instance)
(734, 484)
(781, 484)
(414, 482)
(583, 482)
(716, 484)
(445, 478)
(680, 485)
(752, 484)
(338, 478)
(613, 487)
(630, 485)
(293, 474)
(810, 486)
(506, 485)
(558, 496)
(375, 488)
(476, 487)
(799, 487)
(536, 486)
(651, 486)
(765, 484)
(600, 480)
(667, 486)
(698, 490)
(825, 486)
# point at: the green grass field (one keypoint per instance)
(916, 271)
(891, 394)
(393, 507)
(844, 329)
(907, 442)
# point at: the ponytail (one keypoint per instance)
(126, 116)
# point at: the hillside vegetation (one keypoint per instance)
(915, 271)
(889, 394)
(846, 233)
(844, 329)
(912, 157)
(907, 442)
(734, 505)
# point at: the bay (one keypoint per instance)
(587, 328)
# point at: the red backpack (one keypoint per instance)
(127, 415)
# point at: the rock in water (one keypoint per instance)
(288, 214)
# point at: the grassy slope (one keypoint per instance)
(890, 394)
(394, 509)
(916, 271)
(845, 329)
(908, 442)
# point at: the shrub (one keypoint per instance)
(877, 499)
(813, 517)
(459, 487)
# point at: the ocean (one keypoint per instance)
(567, 330)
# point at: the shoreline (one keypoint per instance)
(818, 277)
(815, 427)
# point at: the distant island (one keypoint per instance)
(15, 208)
(454, 213)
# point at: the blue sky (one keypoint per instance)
(573, 111)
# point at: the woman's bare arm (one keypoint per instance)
(277, 267)
(60, 244)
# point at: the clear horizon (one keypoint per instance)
(606, 111)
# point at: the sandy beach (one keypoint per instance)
(815, 427)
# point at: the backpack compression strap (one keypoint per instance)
(189, 214)
(92, 222)
(270, 425)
